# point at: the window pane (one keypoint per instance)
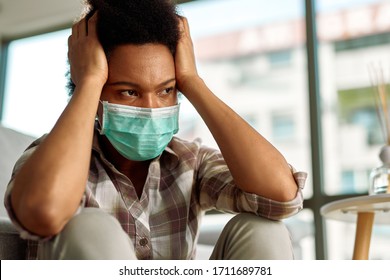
(35, 92)
(352, 36)
(256, 63)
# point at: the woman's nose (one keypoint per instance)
(150, 101)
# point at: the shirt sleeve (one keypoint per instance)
(217, 190)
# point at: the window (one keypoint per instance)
(363, 42)
(255, 62)
(279, 58)
(35, 86)
(352, 35)
(357, 111)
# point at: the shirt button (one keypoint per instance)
(143, 242)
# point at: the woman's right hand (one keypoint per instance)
(85, 53)
(185, 64)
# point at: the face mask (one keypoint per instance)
(137, 133)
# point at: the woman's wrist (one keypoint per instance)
(90, 86)
(191, 85)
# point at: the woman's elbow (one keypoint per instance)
(43, 220)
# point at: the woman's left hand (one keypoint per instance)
(185, 59)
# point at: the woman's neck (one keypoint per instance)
(136, 171)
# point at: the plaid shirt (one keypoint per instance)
(182, 183)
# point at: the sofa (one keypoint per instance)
(12, 145)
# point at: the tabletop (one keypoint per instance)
(346, 209)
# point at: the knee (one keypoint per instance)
(256, 237)
(90, 228)
(91, 234)
(257, 226)
(89, 221)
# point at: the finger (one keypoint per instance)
(186, 25)
(82, 28)
(92, 22)
(183, 25)
(70, 39)
(75, 31)
(69, 47)
(180, 24)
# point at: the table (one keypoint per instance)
(361, 210)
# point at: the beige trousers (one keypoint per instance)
(245, 237)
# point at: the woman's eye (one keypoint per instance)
(129, 93)
(167, 91)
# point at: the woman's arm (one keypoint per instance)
(256, 166)
(49, 187)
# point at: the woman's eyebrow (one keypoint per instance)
(135, 85)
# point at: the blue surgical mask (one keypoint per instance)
(137, 133)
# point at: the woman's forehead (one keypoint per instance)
(149, 63)
(143, 50)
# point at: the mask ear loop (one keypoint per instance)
(100, 112)
(179, 98)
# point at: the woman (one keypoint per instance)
(141, 193)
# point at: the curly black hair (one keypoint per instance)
(133, 22)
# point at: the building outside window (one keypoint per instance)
(352, 37)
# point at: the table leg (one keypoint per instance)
(364, 224)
